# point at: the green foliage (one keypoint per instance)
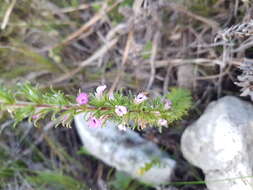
(36, 95)
(181, 101)
(55, 98)
(6, 96)
(17, 170)
(39, 104)
(114, 14)
(96, 7)
(121, 181)
(39, 61)
(54, 180)
(84, 151)
(202, 7)
(30, 93)
(21, 113)
(146, 111)
(149, 165)
(8, 169)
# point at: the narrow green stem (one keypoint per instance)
(66, 107)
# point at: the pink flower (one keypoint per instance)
(122, 127)
(94, 122)
(82, 98)
(167, 104)
(100, 90)
(35, 117)
(120, 110)
(140, 98)
(162, 122)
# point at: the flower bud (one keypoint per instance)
(100, 90)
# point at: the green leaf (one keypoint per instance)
(96, 7)
(84, 151)
(22, 113)
(55, 98)
(6, 96)
(181, 103)
(56, 180)
(122, 181)
(149, 165)
(31, 93)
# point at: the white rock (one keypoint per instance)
(220, 142)
(125, 150)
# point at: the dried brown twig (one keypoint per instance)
(85, 28)
(90, 61)
(124, 60)
(153, 59)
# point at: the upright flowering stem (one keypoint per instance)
(34, 104)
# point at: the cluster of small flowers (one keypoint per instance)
(120, 110)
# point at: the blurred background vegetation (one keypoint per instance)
(137, 45)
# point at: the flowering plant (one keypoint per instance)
(128, 111)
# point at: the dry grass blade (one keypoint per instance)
(207, 21)
(152, 59)
(7, 15)
(124, 59)
(86, 27)
(78, 8)
(90, 61)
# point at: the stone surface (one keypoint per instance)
(220, 142)
(126, 151)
